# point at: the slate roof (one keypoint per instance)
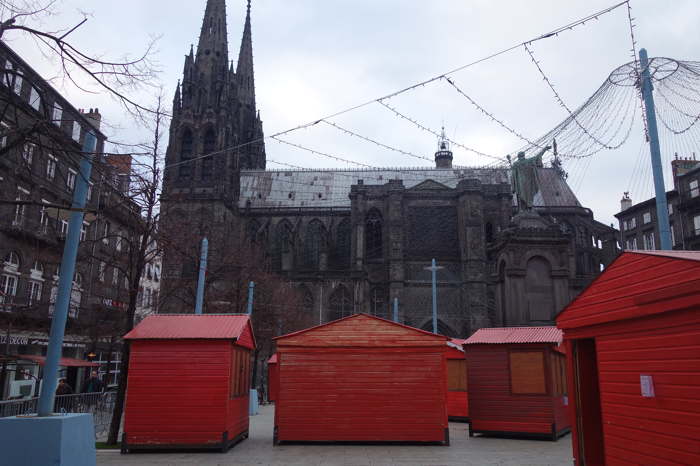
(330, 188)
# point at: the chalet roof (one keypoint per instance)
(331, 188)
(515, 335)
(361, 330)
(190, 326)
(636, 284)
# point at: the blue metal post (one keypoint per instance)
(65, 281)
(396, 310)
(661, 203)
(251, 287)
(199, 303)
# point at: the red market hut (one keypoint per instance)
(633, 347)
(457, 399)
(362, 379)
(516, 382)
(273, 378)
(189, 381)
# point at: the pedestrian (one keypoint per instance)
(63, 401)
(93, 384)
(63, 388)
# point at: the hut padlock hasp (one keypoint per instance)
(362, 379)
(189, 382)
(633, 354)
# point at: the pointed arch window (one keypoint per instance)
(313, 244)
(374, 248)
(252, 231)
(284, 242)
(186, 153)
(209, 148)
(343, 242)
(340, 304)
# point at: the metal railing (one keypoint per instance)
(100, 405)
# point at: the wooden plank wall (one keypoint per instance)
(663, 430)
(361, 394)
(272, 381)
(492, 407)
(178, 392)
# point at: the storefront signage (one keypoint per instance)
(14, 340)
(66, 344)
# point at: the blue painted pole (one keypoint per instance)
(396, 310)
(199, 303)
(434, 270)
(251, 287)
(65, 281)
(661, 203)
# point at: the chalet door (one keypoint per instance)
(589, 425)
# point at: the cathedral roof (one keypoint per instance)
(331, 188)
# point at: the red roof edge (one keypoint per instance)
(354, 316)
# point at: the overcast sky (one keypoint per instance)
(313, 58)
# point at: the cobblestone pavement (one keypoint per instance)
(258, 450)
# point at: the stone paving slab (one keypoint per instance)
(463, 451)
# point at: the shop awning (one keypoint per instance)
(65, 362)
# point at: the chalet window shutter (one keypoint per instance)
(527, 373)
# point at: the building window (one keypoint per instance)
(670, 209)
(51, 162)
(28, 153)
(64, 228)
(101, 272)
(83, 231)
(313, 244)
(186, 152)
(8, 288)
(20, 209)
(646, 217)
(76, 131)
(631, 223)
(673, 236)
(44, 221)
(648, 239)
(8, 75)
(89, 192)
(694, 191)
(696, 225)
(57, 114)
(115, 277)
(34, 98)
(34, 292)
(118, 244)
(4, 131)
(527, 375)
(340, 304)
(373, 235)
(17, 88)
(76, 296)
(105, 233)
(70, 179)
(209, 148)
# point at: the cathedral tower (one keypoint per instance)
(215, 132)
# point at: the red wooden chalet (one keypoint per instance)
(273, 378)
(457, 399)
(362, 379)
(517, 384)
(633, 348)
(189, 382)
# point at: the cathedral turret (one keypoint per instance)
(244, 71)
(177, 103)
(443, 156)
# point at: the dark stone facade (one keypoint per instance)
(353, 240)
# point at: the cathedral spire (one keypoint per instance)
(244, 70)
(213, 42)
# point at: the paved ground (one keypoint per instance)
(258, 450)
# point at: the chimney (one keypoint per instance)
(681, 166)
(626, 202)
(93, 115)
